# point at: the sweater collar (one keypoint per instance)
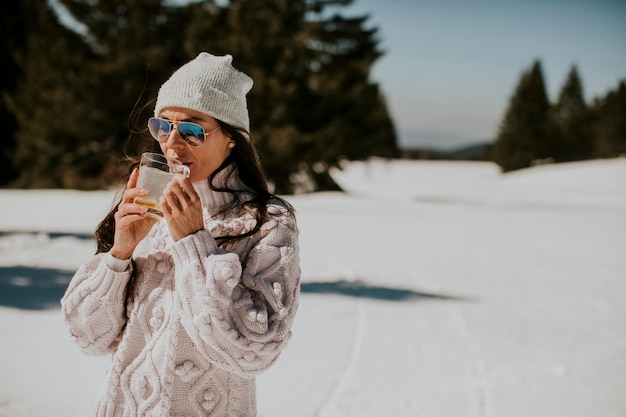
(215, 201)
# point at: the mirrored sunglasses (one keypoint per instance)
(192, 133)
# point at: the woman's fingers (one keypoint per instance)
(170, 200)
(130, 209)
(131, 194)
(131, 191)
(132, 179)
(182, 208)
(166, 209)
(187, 188)
(180, 194)
(131, 223)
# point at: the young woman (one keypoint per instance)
(192, 306)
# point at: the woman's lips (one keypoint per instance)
(182, 161)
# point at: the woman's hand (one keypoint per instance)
(131, 223)
(182, 208)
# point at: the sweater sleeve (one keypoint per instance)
(240, 316)
(93, 306)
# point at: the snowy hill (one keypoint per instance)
(431, 288)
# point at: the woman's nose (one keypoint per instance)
(174, 140)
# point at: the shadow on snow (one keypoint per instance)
(360, 289)
(33, 288)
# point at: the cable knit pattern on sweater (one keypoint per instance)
(204, 320)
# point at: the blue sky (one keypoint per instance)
(451, 65)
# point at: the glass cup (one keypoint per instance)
(155, 172)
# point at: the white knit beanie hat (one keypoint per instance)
(211, 85)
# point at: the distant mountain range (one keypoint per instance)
(441, 145)
(473, 152)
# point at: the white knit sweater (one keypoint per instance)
(204, 321)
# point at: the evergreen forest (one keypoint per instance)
(535, 130)
(80, 79)
(77, 96)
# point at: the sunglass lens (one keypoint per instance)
(159, 128)
(193, 133)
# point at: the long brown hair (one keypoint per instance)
(250, 172)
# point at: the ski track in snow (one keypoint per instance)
(480, 379)
(330, 407)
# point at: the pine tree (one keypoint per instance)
(15, 20)
(266, 41)
(44, 102)
(342, 94)
(134, 45)
(610, 123)
(571, 120)
(312, 101)
(79, 89)
(523, 135)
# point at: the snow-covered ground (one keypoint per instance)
(431, 289)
